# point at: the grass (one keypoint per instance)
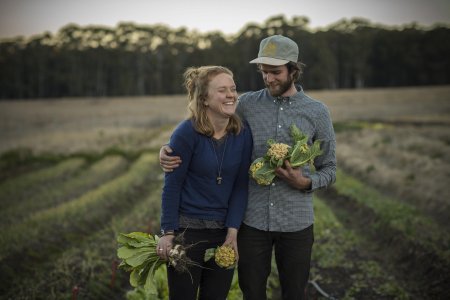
(345, 126)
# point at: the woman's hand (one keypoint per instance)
(231, 240)
(167, 162)
(164, 246)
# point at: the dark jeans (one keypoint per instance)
(292, 255)
(210, 281)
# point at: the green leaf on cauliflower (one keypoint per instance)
(297, 135)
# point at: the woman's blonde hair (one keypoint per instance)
(196, 81)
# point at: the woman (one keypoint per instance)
(206, 197)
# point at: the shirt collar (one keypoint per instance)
(291, 98)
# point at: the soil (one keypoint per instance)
(414, 268)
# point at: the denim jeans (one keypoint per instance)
(292, 256)
(209, 282)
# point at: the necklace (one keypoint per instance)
(219, 166)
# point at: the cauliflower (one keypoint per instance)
(224, 256)
(278, 150)
(262, 170)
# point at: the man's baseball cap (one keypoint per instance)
(276, 50)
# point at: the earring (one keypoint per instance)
(206, 103)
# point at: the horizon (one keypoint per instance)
(27, 18)
(192, 30)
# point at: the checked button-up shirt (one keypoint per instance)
(280, 207)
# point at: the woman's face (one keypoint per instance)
(222, 97)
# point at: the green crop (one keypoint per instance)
(262, 170)
(138, 253)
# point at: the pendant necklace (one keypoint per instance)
(219, 166)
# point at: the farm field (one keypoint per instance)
(76, 172)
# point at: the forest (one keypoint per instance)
(135, 60)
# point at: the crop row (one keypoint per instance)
(58, 192)
(52, 230)
(409, 163)
(25, 186)
(412, 242)
(341, 266)
(73, 243)
(90, 265)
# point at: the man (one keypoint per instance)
(280, 216)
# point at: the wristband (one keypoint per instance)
(169, 232)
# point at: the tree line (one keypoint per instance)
(132, 59)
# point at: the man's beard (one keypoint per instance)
(280, 88)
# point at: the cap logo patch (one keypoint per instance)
(270, 50)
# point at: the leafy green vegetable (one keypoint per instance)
(138, 253)
(262, 170)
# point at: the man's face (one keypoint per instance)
(277, 79)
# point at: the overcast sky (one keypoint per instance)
(27, 17)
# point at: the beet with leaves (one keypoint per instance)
(139, 256)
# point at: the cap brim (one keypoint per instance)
(269, 61)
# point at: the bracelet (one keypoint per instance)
(164, 233)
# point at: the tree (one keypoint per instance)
(133, 59)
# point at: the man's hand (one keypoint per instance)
(168, 163)
(294, 177)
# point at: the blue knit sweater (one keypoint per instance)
(192, 189)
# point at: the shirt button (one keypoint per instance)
(271, 204)
(279, 126)
(273, 183)
(281, 108)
